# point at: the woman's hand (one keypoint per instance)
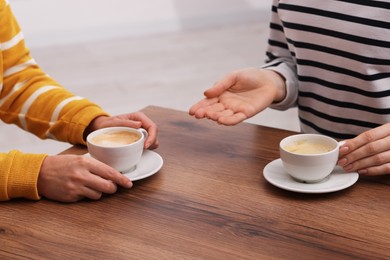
(368, 153)
(239, 95)
(134, 120)
(69, 178)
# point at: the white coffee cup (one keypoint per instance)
(309, 157)
(117, 147)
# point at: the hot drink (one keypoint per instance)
(115, 138)
(308, 147)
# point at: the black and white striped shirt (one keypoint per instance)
(335, 57)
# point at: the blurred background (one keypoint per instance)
(128, 54)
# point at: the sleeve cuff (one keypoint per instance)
(291, 81)
(23, 177)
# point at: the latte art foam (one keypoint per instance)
(115, 138)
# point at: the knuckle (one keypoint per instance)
(379, 159)
(109, 187)
(72, 198)
(81, 160)
(75, 177)
(368, 136)
(97, 196)
(112, 174)
(72, 189)
(387, 168)
(139, 114)
(375, 171)
(371, 148)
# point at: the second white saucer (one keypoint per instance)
(275, 174)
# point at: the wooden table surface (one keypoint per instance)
(209, 201)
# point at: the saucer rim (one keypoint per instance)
(350, 181)
(149, 173)
(156, 157)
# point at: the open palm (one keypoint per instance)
(238, 96)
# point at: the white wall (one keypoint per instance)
(61, 22)
(48, 22)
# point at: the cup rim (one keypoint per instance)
(113, 128)
(337, 144)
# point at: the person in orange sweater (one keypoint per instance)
(38, 104)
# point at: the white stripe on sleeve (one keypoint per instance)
(14, 89)
(57, 111)
(11, 43)
(18, 68)
(30, 101)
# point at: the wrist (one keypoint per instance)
(280, 83)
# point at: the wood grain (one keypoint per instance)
(209, 201)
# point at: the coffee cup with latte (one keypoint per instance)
(118, 147)
(309, 157)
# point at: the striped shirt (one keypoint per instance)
(335, 57)
(36, 103)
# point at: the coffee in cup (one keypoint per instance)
(115, 138)
(308, 146)
(309, 157)
(118, 147)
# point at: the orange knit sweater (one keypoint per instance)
(36, 103)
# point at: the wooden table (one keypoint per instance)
(209, 201)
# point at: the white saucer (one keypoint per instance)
(275, 174)
(150, 163)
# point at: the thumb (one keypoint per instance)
(221, 86)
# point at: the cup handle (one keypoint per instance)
(144, 132)
(341, 143)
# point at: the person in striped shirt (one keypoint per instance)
(36, 103)
(331, 59)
